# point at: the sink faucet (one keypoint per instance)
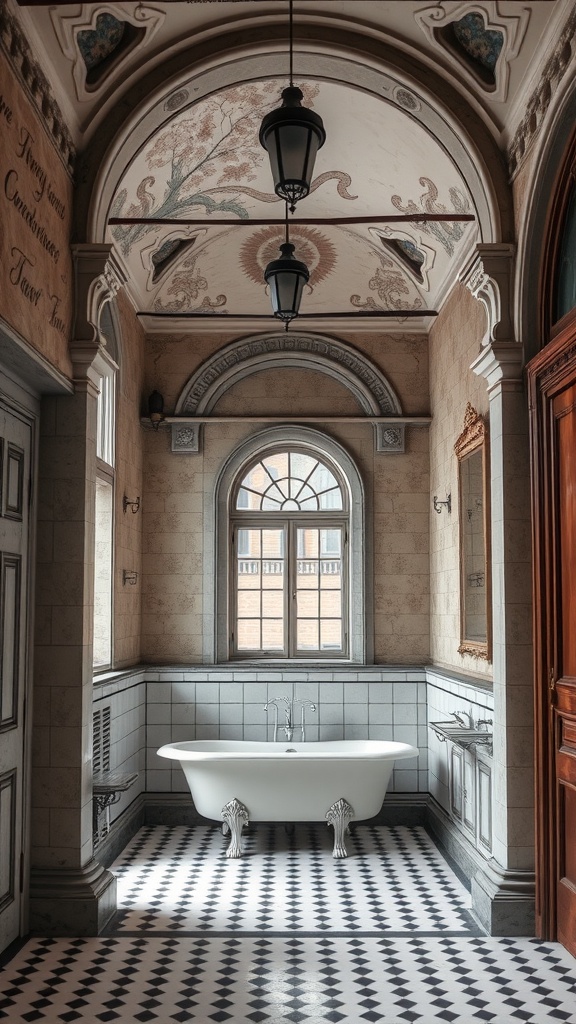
(483, 721)
(288, 727)
(464, 719)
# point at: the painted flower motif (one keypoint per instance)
(480, 43)
(97, 44)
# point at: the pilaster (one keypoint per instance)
(70, 893)
(502, 899)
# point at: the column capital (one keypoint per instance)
(99, 275)
(489, 275)
(499, 363)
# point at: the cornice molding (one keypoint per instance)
(537, 107)
(15, 48)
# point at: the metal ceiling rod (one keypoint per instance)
(399, 314)
(255, 222)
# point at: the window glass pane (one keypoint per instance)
(106, 421)
(273, 604)
(331, 499)
(322, 479)
(102, 652)
(330, 542)
(302, 465)
(248, 603)
(566, 271)
(277, 465)
(260, 575)
(289, 477)
(307, 601)
(272, 634)
(307, 635)
(249, 635)
(330, 635)
(308, 543)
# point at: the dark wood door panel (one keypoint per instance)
(567, 869)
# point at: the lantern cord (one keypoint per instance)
(291, 44)
(286, 220)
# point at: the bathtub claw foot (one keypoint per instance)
(339, 815)
(235, 816)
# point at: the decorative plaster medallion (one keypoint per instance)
(406, 99)
(311, 246)
(390, 439)
(475, 42)
(177, 100)
(185, 439)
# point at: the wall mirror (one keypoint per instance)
(471, 450)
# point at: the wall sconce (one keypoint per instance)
(438, 504)
(156, 409)
(129, 576)
(132, 503)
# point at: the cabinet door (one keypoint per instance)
(469, 792)
(484, 801)
(456, 782)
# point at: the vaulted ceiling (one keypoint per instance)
(414, 98)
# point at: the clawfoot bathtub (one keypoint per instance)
(235, 781)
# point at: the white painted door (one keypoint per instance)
(15, 455)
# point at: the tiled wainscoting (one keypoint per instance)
(379, 703)
(119, 734)
(149, 706)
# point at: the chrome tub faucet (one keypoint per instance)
(305, 704)
(288, 727)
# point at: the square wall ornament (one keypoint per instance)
(389, 439)
(185, 438)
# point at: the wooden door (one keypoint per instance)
(15, 461)
(552, 376)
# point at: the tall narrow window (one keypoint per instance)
(289, 536)
(104, 515)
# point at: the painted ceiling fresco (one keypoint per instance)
(206, 164)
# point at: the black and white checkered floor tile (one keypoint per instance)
(275, 980)
(394, 879)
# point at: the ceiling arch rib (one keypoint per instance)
(391, 152)
(273, 351)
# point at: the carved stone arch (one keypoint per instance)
(278, 350)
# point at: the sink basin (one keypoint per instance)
(460, 735)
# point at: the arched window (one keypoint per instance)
(106, 366)
(289, 558)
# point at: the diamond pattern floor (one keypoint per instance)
(384, 937)
(393, 879)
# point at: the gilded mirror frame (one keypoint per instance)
(474, 516)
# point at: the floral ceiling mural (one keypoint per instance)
(205, 165)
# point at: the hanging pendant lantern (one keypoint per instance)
(286, 278)
(292, 135)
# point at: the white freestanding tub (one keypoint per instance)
(237, 781)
